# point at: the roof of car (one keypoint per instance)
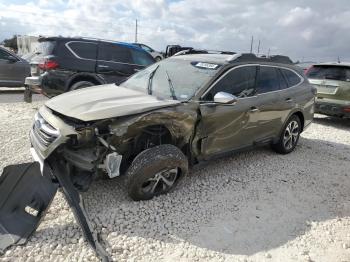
(210, 58)
(347, 64)
(54, 38)
(234, 58)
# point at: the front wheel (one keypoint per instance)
(155, 171)
(289, 137)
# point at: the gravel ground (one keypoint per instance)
(253, 206)
(14, 95)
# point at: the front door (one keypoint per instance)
(12, 71)
(225, 127)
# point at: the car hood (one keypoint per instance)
(106, 101)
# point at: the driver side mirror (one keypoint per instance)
(225, 98)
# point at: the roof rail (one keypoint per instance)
(249, 57)
(180, 50)
(203, 51)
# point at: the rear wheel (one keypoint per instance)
(289, 137)
(158, 58)
(156, 171)
(81, 84)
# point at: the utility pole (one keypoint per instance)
(251, 44)
(136, 31)
(268, 54)
(259, 47)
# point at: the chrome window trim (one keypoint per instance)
(259, 65)
(77, 56)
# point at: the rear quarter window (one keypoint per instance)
(83, 50)
(291, 77)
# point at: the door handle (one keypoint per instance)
(254, 109)
(103, 66)
(289, 100)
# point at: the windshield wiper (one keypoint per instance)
(171, 86)
(149, 86)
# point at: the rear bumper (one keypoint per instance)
(33, 80)
(332, 109)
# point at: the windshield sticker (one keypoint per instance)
(206, 65)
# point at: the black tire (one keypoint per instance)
(81, 84)
(158, 58)
(150, 167)
(283, 146)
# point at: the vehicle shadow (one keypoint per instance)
(337, 122)
(250, 202)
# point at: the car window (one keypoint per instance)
(114, 53)
(292, 78)
(4, 55)
(84, 50)
(268, 80)
(148, 49)
(197, 75)
(141, 58)
(282, 80)
(340, 73)
(239, 82)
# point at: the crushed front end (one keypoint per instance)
(26, 190)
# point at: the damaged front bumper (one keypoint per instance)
(25, 195)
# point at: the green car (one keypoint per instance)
(332, 81)
(177, 112)
(151, 128)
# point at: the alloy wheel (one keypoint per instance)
(161, 182)
(291, 135)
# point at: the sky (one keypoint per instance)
(313, 30)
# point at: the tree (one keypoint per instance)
(11, 43)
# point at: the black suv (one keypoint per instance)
(64, 64)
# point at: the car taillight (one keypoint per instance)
(346, 109)
(307, 70)
(48, 65)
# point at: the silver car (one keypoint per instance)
(13, 69)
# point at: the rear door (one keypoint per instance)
(82, 56)
(293, 94)
(115, 62)
(229, 126)
(269, 103)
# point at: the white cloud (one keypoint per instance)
(297, 16)
(312, 29)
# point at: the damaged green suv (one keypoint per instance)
(150, 129)
(174, 113)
